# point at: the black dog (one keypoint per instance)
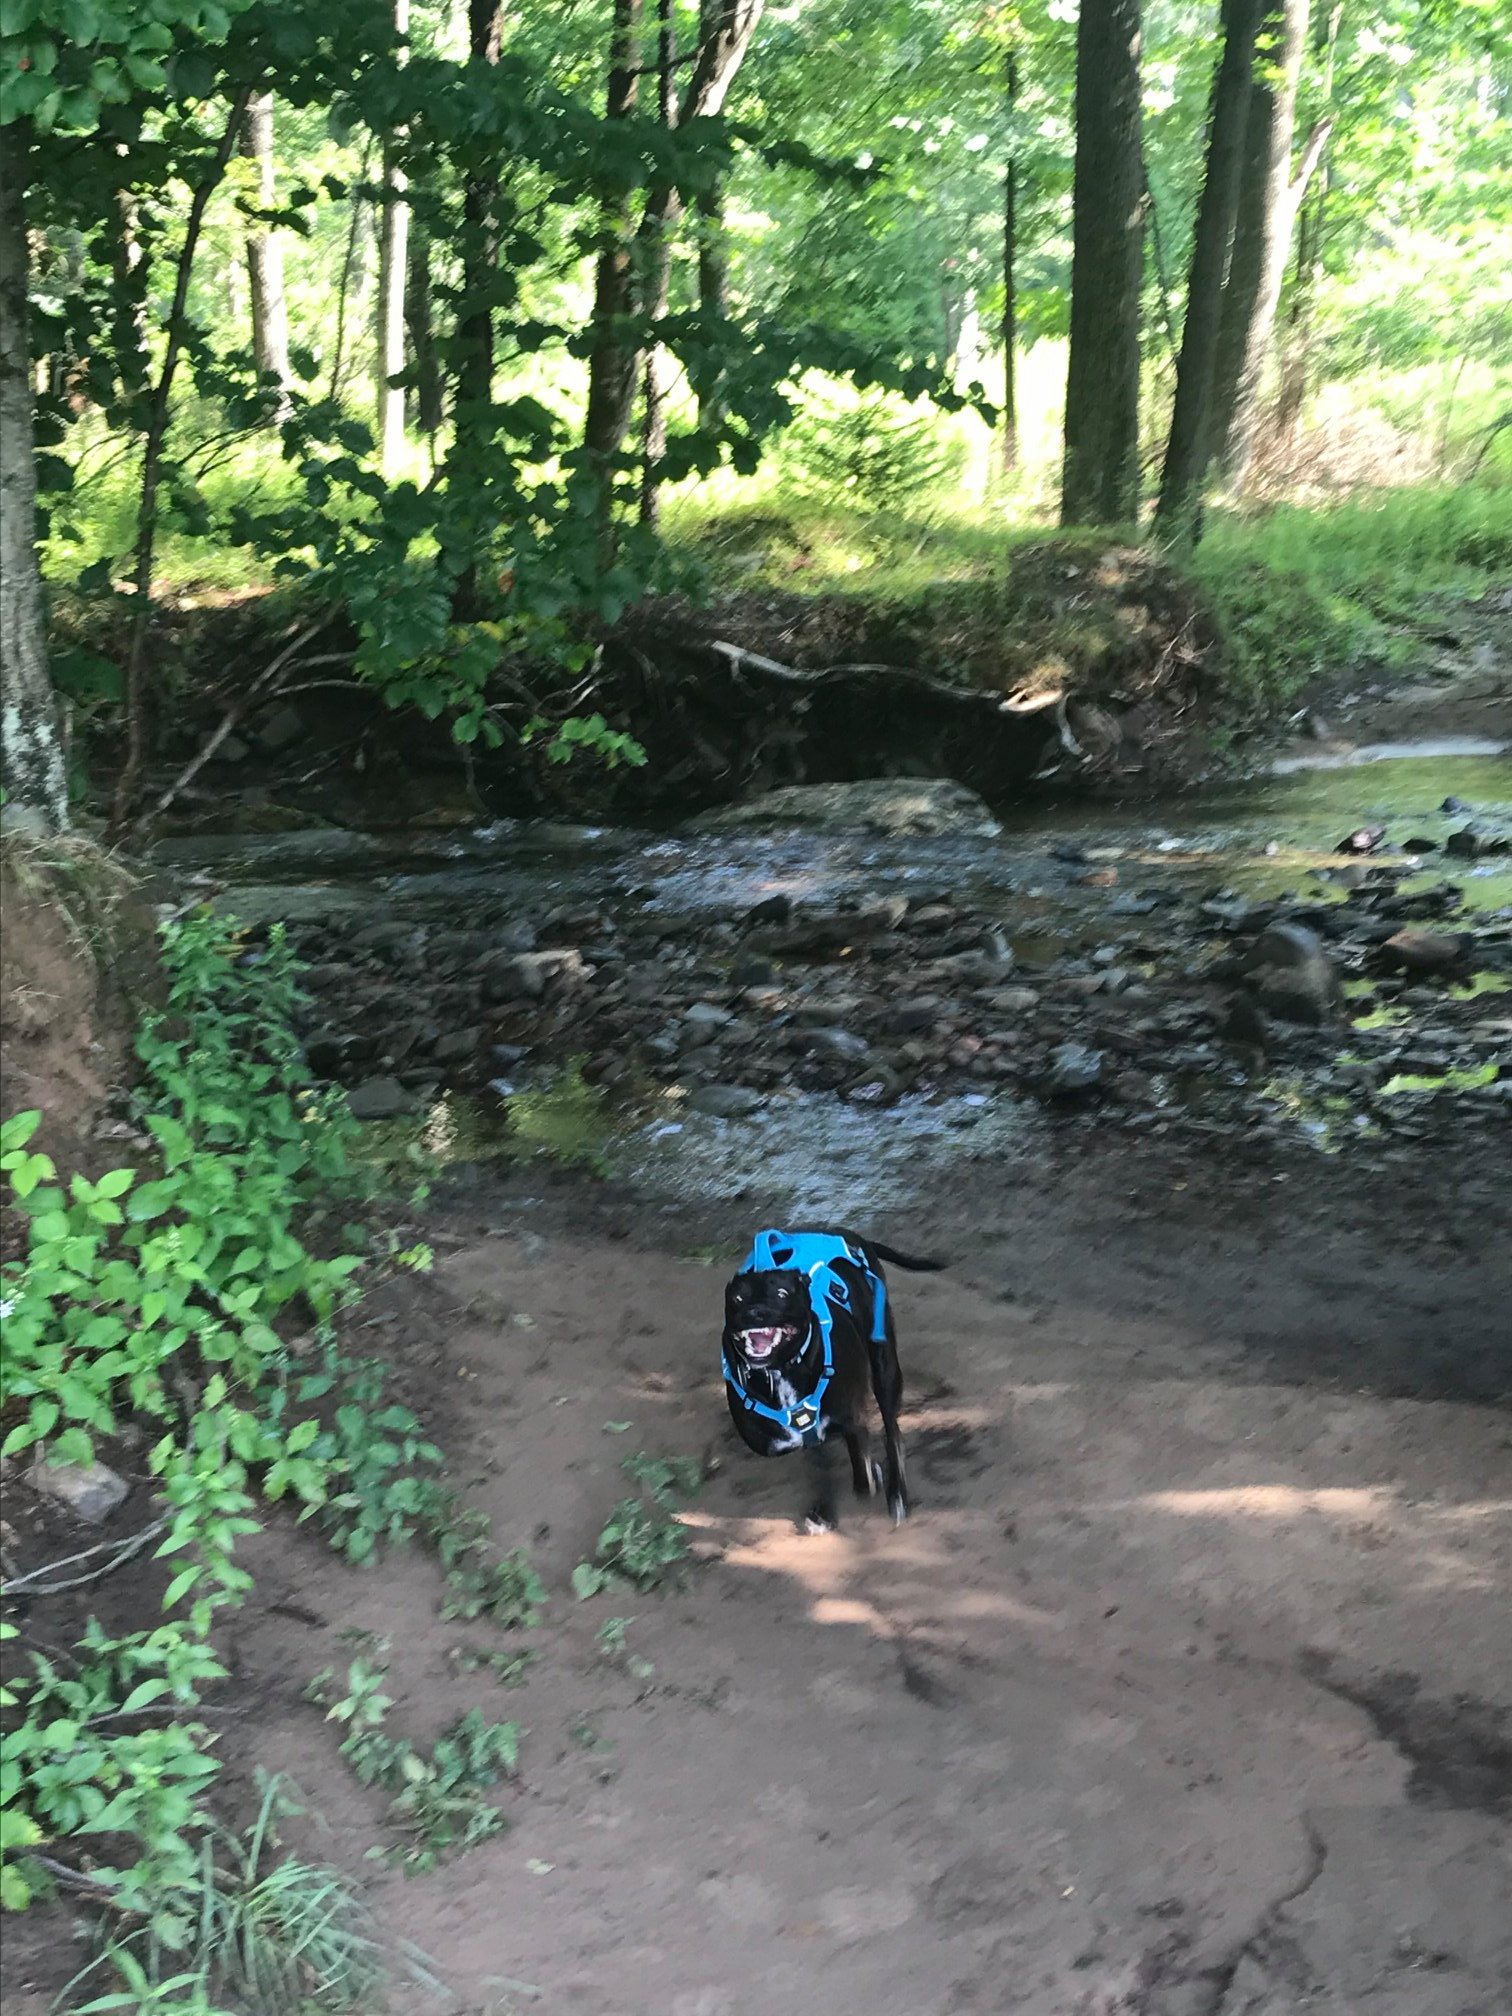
(808, 1335)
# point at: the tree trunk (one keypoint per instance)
(1267, 212)
(1309, 270)
(393, 264)
(31, 744)
(1008, 448)
(611, 364)
(1100, 479)
(658, 288)
(419, 315)
(128, 785)
(265, 268)
(1187, 448)
(713, 286)
(473, 390)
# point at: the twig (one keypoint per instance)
(261, 688)
(125, 1551)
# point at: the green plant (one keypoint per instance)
(642, 1544)
(436, 1798)
(872, 454)
(279, 1935)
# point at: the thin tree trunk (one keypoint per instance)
(473, 392)
(1100, 478)
(129, 783)
(348, 268)
(1263, 226)
(1187, 448)
(713, 286)
(611, 365)
(393, 265)
(265, 267)
(658, 290)
(1309, 268)
(31, 734)
(419, 314)
(1009, 446)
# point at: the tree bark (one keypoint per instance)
(1008, 447)
(611, 364)
(658, 291)
(31, 734)
(713, 286)
(419, 315)
(1309, 269)
(1266, 215)
(1187, 448)
(265, 267)
(1100, 477)
(473, 388)
(160, 412)
(393, 266)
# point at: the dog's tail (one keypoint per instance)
(906, 1261)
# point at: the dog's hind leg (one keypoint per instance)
(887, 1384)
(821, 1517)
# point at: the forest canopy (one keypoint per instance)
(476, 325)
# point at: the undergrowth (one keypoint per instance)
(195, 1294)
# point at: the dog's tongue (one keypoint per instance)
(762, 1343)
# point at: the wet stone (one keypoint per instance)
(725, 1102)
(378, 1099)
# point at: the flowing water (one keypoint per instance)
(1271, 835)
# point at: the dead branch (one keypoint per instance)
(121, 1551)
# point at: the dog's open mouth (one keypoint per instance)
(759, 1344)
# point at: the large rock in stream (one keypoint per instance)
(897, 806)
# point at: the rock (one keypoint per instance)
(284, 726)
(836, 1046)
(1097, 878)
(1013, 1000)
(1469, 843)
(1364, 840)
(457, 1047)
(725, 1102)
(1419, 844)
(378, 1099)
(891, 805)
(1244, 1022)
(91, 1491)
(920, 1013)
(749, 971)
(706, 1018)
(1455, 807)
(771, 910)
(1427, 951)
(524, 976)
(1292, 974)
(233, 750)
(1074, 1069)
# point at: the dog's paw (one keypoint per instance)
(816, 1521)
(898, 1506)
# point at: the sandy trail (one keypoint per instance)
(1183, 1694)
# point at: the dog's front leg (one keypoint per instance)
(821, 1516)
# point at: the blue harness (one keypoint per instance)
(812, 1254)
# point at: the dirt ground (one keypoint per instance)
(1187, 1691)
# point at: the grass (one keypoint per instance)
(260, 1931)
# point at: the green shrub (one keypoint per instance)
(876, 455)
